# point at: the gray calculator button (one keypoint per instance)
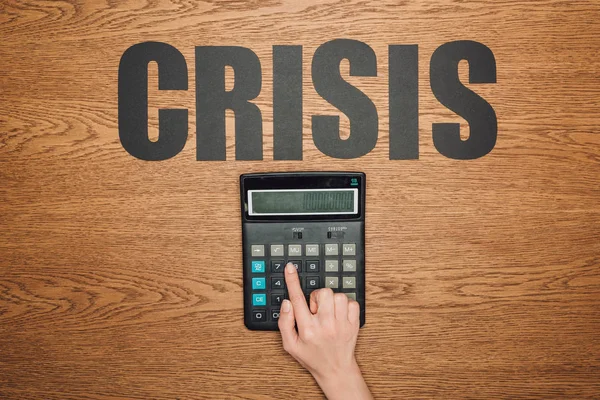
(331, 266)
(331, 249)
(258, 250)
(349, 265)
(294, 250)
(277, 250)
(331, 282)
(351, 295)
(312, 249)
(349, 249)
(349, 282)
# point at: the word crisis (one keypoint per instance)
(213, 99)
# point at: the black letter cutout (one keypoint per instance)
(133, 101)
(287, 102)
(449, 91)
(404, 102)
(355, 104)
(212, 100)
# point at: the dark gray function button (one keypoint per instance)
(277, 283)
(312, 282)
(277, 299)
(259, 315)
(275, 315)
(277, 266)
(312, 266)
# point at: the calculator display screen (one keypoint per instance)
(302, 201)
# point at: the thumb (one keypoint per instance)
(287, 323)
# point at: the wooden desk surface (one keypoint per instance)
(121, 278)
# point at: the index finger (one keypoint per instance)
(292, 281)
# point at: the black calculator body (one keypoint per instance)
(316, 220)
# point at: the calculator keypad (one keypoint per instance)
(338, 272)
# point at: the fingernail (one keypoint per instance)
(285, 306)
(289, 268)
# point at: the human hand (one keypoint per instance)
(326, 338)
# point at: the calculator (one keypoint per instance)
(316, 221)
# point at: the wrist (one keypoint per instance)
(344, 383)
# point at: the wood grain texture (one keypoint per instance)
(483, 276)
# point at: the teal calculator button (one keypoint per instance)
(258, 283)
(258, 266)
(259, 299)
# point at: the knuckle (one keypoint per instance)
(329, 331)
(340, 297)
(309, 334)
